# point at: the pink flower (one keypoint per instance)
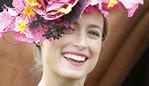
(21, 37)
(22, 8)
(101, 5)
(53, 9)
(17, 19)
(21, 28)
(131, 5)
(37, 35)
(7, 20)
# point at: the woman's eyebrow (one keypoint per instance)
(94, 26)
(76, 23)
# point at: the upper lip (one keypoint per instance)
(75, 53)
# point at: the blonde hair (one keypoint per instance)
(38, 66)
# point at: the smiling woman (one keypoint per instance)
(75, 54)
(68, 34)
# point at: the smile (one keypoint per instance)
(75, 58)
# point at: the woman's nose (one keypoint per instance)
(80, 42)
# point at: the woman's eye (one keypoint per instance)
(93, 34)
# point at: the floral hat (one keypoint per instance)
(35, 20)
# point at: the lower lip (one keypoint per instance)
(75, 63)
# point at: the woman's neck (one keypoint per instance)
(49, 79)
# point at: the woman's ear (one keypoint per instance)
(38, 43)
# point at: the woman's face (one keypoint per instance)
(76, 53)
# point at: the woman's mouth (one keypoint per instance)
(75, 58)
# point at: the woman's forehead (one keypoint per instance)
(91, 18)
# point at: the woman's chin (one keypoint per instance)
(70, 69)
(71, 74)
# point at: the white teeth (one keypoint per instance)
(74, 57)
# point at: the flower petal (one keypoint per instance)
(53, 9)
(94, 2)
(132, 10)
(38, 35)
(12, 12)
(18, 4)
(131, 3)
(22, 37)
(6, 20)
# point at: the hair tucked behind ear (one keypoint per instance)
(38, 58)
